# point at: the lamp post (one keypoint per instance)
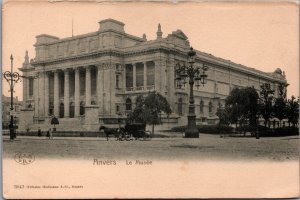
(11, 77)
(194, 74)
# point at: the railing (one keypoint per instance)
(140, 88)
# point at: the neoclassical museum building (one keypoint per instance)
(92, 79)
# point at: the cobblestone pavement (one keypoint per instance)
(211, 147)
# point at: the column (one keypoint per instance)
(66, 94)
(88, 86)
(134, 76)
(25, 89)
(99, 88)
(145, 75)
(77, 93)
(56, 94)
(36, 96)
(46, 94)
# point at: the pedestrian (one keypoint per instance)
(39, 132)
(50, 133)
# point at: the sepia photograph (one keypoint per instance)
(150, 99)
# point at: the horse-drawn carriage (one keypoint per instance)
(128, 132)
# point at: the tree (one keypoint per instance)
(293, 111)
(149, 109)
(222, 113)
(54, 121)
(280, 109)
(265, 102)
(280, 104)
(242, 105)
(234, 106)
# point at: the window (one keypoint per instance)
(51, 107)
(139, 74)
(128, 104)
(61, 81)
(61, 110)
(117, 81)
(93, 81)
(82, 82)
(30, 87)
(210, 106)
(117, 109)
(150, 73)
(129, 76)
(180, 106)
(72, 110)
(201, 106)
(82, 109)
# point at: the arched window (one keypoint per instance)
(201, 106)
(72, 110)
(180, 106)
(93, 103)
(29, 106)
(210, 106)
(128, 104)
(82, 109)
(220, 104)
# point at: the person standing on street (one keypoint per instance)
(50, 133)
(39, 132)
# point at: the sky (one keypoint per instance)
(260, 35)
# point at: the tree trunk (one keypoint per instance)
(152, 130)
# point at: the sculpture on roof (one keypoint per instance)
(159, 32)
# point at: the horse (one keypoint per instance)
(110, 131)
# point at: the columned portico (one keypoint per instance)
(66, 94)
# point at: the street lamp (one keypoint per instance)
(12, 78)
(194, 74)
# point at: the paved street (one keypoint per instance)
(206, 147)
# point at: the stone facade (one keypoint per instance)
(104, 71)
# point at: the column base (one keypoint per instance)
(192, 130)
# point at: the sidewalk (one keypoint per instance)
(19, 138)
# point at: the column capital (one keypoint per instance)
(76, 68)
(66, 69)
(88, 68)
